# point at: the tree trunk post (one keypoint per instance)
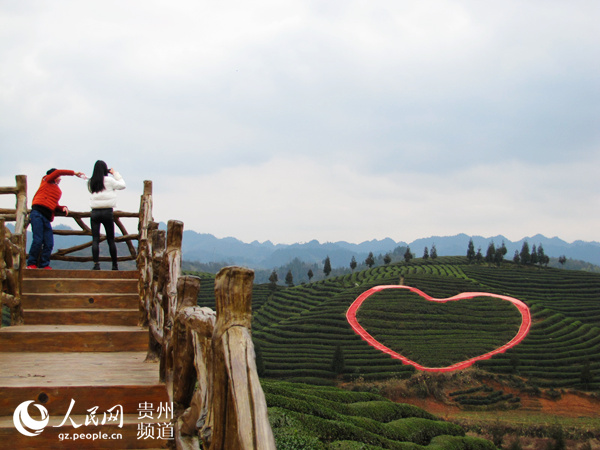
(183, 371)
(154, 299)
(171, 270)
(238, 415)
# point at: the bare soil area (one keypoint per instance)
(539, 420)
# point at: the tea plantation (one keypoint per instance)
(297, 329)
(308, 417)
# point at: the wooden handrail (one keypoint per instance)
(65, 254)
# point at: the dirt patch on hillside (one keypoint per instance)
(573, 405)
(534, 417)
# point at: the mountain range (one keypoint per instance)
(206, 248)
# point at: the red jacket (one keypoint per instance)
(48, 194)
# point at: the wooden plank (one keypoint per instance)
(121, 368)
(79, 286)
(78, 273)
(57, 399)
(74, 338)
(81, 317)
(82, 301)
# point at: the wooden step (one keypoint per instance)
(102, 380)
(97, 282)
(81, 343)
(82, 301)
(93, 274)
(57, 399)
(79, 286)
(91, 379)
(73, 338)
(127, 317)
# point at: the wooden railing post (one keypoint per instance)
(171, 270)
(182, 361)
(12, 261)
(9, 295)
(145, 210)
(154, 303)
(238, 416)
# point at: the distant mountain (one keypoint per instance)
(206, 248)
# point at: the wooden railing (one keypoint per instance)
(12, 249)
(206, 358)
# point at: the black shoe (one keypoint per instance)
(96, 266)
(115, 267)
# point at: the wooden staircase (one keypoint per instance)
(81, 346)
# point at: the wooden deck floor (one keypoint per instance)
(76, 369)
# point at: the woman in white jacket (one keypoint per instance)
(103, 200)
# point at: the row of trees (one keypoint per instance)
(370, 261)
(495, 255)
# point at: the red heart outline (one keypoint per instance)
(358, 329)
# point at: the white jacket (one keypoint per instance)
(108, 197)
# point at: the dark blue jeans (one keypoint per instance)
(103, 216)
(43, 240)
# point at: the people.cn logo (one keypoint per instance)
(25, 424)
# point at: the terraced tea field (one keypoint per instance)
(439, 334)
(297, 329)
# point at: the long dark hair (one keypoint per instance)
(96, 183)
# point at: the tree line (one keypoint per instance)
(495, 255)
(399, 253)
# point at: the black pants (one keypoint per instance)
(103, 216)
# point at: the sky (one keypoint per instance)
(332, 120)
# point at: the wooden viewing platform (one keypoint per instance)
(124, 359)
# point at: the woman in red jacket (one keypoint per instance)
(43, 207)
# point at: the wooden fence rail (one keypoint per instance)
(206, 358)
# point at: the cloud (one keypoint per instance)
(350, 96)
(290, 200)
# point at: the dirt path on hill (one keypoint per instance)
(572, 405)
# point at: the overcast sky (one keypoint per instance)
(297, 120)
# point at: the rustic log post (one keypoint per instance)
(238, 417)
(172, 269)
(182, 363)
(154, 300)
(144, 277)
(145, 210)
(201, 323)
(9, 276)
(19, 239)
(146, 269)
(21, 207)
(5, 297)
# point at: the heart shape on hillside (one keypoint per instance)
(358, 329)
